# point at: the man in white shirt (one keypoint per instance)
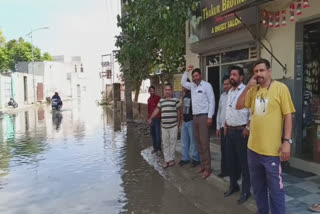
(221, 118)
(236, 131)
(203, 104)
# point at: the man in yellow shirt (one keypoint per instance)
(271, 108)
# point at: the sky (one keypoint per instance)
(83, 28)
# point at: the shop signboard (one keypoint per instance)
(207, 21)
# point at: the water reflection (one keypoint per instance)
(82, 160)
(56, 119)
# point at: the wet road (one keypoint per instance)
(80, 161)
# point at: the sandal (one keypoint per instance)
(166, 165)
(315, 207)
(171, 163)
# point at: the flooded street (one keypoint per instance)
(82, 160)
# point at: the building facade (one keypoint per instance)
(287, 29)
(69, 79)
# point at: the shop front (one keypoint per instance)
(308, 54)
(222, 41)
(290, 30)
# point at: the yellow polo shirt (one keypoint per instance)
(268, 108)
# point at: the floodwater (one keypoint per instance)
(81, 160)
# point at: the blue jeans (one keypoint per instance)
(188, 142)
(266, 182)
(155, 131)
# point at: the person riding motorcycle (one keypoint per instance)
(56, 101)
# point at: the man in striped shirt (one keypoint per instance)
(170, 120)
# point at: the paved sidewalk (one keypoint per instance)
(302, 188)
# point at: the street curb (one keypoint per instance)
(221, 183)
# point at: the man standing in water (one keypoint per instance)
(170, 119)
(203, 103)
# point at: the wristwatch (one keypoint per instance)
(288, 140)
(248, 128)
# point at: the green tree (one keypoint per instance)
(20, 51)
(46, 57)
(2, 39)
(152, 37)
(4, 58)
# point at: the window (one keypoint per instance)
(75, 68)
(81, 68)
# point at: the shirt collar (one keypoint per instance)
(239, 87)
(200, 84)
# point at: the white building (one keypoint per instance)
(67, 78)
(18, 86)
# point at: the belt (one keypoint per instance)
(236, 127)
(202, 114)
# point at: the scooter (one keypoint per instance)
(13, 103)
(56, 105)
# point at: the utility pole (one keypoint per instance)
(32, 61)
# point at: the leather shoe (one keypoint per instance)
(183, 162)
(195, 163)
(231, 191)
(244, 197)
(221, 175)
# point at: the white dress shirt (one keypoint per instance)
(236, 117)
(203, 101)
(222, 108)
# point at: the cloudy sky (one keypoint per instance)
(83, 28)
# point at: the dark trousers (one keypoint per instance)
(267, 184)
(155, 131)
(237, 159)
(223, 164)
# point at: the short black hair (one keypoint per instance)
(238, 68)
(225, 77)
(196, 70)
(262, 61)
(152, 87)
(168, 84)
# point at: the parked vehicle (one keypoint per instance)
(13, 103)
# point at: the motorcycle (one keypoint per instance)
(56, 104)
(13, 103)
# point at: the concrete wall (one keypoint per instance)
(140, 111)
(108, 91)
(5, 90)
(58, 76)
(282, 40)
(55, 78)
(18, 84)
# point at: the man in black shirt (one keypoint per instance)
(188, 140)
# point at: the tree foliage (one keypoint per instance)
(4, 60)
(19, 50)
(152, 37)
